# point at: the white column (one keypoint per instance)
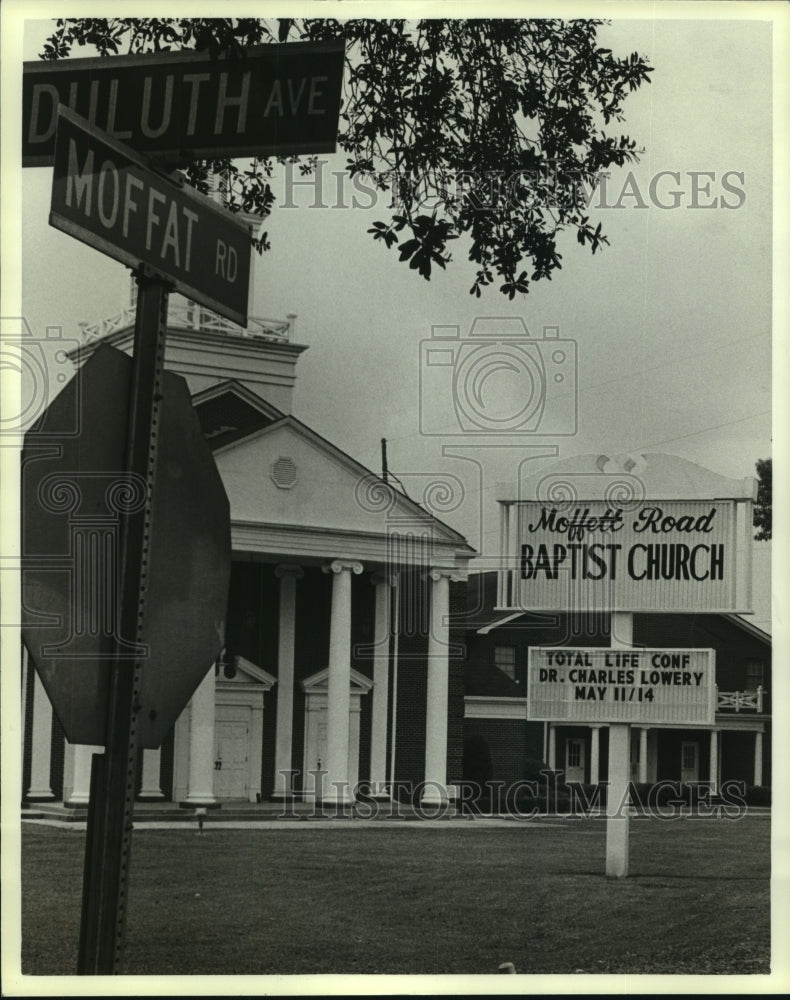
(595, 754)
(149, 785)
(619, 774)
(201, 744)
(181, 756)
(758, 758)
(287, 575)
(81, 780)
(713, 770)
(256, 749)
(643, 754)
(438, 690)
(381, 652)
(338, 695)
(41, 742)
(551, 757)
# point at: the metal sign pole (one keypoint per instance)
(113, 777)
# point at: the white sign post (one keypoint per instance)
(621, 685)
(621, 634)
(614, 536)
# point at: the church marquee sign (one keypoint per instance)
(586, 556)
(599, 685)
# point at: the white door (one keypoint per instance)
(316, 746)
(689, 761)
(231, 763)
(574, 760)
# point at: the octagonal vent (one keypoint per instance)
(283, 472)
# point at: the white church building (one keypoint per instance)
(304, 700)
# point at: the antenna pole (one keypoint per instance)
(384, 471)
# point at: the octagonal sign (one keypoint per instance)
(75, 494)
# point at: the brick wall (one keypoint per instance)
(734, 647)
(496, 749)
(269, 741)
(166, 765)
(57, 758)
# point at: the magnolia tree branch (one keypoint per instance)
(490, 130)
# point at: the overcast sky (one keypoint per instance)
(672, 320)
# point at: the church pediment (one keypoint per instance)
(237, 670)
(318, 683)
(286, 474)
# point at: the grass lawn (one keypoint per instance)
(459, 899)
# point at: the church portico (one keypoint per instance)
(336, 619)
(319, 545)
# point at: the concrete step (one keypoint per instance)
(248, 811)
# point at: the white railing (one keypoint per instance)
(108, 325)
(187, 315)
(739, 700)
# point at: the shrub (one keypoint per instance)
(583, 796)
(525, 801)
(758, 795)
(533, 766)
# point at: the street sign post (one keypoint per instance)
(113, 774)
(126, 567)
(127, 689)
(105, 195)
(176, 107)
(273, 100)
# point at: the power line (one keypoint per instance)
(620, 378)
